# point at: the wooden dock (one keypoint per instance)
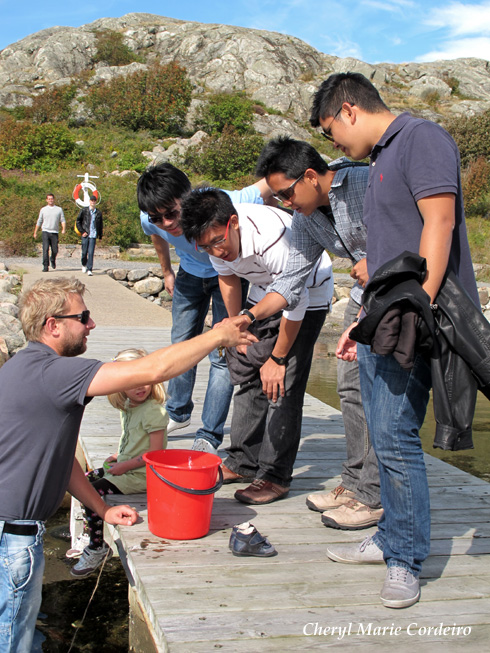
(197, 597)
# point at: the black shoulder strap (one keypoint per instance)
(346, 164)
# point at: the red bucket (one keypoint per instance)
(181, 484)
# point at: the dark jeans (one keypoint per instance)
(88, 249)
(264, 435)
(49, 240)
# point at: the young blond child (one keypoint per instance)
(144, 428)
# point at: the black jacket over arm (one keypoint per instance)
(452, 332)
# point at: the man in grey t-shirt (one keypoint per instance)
(50, 218)
(43, 393)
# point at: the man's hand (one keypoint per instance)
(346, 347)
(242, 321)
(169, 281)
(231, 333)
(121, 516)
(360, 273)
(272, 376)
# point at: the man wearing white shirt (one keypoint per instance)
(50, 218)
(252, 242)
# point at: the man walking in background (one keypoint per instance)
(50, 217)
(89, 224)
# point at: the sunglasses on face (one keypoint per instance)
(82, 317)
(217, 243)
(286, 194)
(158, 219)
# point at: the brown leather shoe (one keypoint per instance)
(233, 477)
(261, 491)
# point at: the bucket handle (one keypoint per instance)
(211, 490)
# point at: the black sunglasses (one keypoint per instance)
(286, 194)
(84, 317)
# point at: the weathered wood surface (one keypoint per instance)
(200, 598)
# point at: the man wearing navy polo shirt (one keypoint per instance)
(413, 202)
(160, 189)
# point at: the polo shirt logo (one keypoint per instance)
(381, 177)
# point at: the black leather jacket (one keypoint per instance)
(453, 332)
(84, 219)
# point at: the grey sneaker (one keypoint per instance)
(90, 560)
(201, 444)
(174, 426)
(321, 501)
(400, 589)
(352, 516)
(366, 553)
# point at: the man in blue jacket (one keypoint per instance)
(160, 189)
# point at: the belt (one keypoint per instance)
(20, 529)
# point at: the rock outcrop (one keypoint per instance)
(279, 70)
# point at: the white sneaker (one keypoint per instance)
(84, 269)
(174, 426)
(80, 543)
(89, 273)
(90, 560)
(200, 444)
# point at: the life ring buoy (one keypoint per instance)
(88, 189)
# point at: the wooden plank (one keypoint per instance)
(199, 597)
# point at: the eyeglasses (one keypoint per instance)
(170, 216)
(83, 317)
(326, 132)
(286, 194)
(204, 249)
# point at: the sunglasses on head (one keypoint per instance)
(83, 317)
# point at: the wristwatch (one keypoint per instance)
(279, 360)
(249, 314)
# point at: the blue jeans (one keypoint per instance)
(21, 580)
(395, 402)
(88, 249)
(190, 305)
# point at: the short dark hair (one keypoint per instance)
(289, 157)
(352, 88)
(202, 209)
(93, 198)
(159, 187)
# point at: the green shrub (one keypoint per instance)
(155, 99)
(38, 147)
(112, 50)
(476, 188)
(222, 109)
(51, 106)
(225, 156)
(472, 135)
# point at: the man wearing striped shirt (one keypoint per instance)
(252, 242)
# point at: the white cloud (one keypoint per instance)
(390, 6)
(461, 19)
(476, 47)
(342, 48)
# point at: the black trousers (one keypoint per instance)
(50, 240)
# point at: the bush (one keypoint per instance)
(225, 156)
(472, 136)
(156, 99)
(222, 109)
(38, 147)
(112, 50)
(476, 188)
(51, 106)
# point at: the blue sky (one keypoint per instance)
(371, 30)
